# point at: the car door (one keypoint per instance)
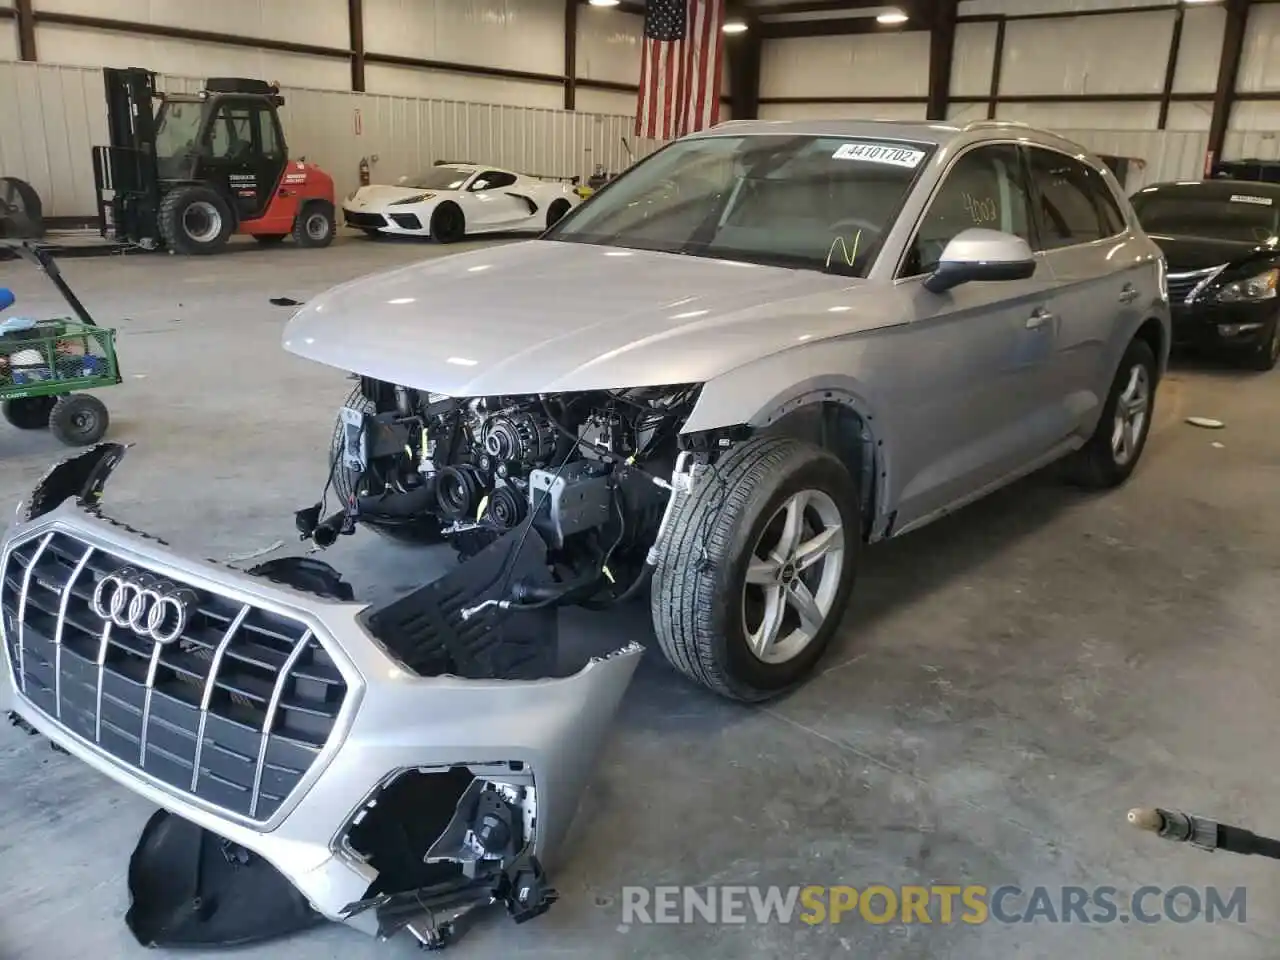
(236, 157)
(1100, 276)
(495, 206)
(971, 410)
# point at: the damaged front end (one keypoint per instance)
(393, 767)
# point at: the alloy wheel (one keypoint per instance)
(1132, 408)
(793, 577)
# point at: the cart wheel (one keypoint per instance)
(29, 413)
(78, 419)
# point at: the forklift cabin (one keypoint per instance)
(188, 174)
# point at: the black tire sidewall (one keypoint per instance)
(753, 678)
(309, 210)
(29, 413)
(173, 209)
(61, 419)
(459, 229)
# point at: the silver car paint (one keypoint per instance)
(961, 391)
(392, 720)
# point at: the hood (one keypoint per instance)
(1200, 253)
(545, 316)
(379, 194)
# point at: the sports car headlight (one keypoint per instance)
(416, 198)
(1261, 287)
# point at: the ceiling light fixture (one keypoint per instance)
(734, 26)
(604, 3)
(891, 16)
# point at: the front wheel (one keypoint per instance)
(78, 419)
(448, 224)
(757, 568)
(194, 220)
(1112, 453)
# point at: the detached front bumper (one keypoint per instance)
(275, 719)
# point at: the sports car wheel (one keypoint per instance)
(758, 567)
(448, 225)
(558, 210)
(1112, 452)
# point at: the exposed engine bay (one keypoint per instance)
(588, 471)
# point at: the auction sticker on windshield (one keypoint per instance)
(879, 153)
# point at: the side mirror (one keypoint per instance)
(978, 254)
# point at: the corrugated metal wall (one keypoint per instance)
(51, 117)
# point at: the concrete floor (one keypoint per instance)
(1008, 683)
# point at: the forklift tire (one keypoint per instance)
(195, 220)
(78, 419)
(314, 225)
(269, 239)
(29, 413)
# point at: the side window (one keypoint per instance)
(491, 180)
(267, 134)
(1072, 205)
(985, 188)
(231, 136)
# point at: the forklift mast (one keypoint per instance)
(125, 172)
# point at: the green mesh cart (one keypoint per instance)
(45, 364)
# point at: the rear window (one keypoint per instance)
(1242, 215)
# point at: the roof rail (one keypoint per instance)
(996, 124)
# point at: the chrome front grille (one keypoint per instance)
(233, 712)
(1182, 284)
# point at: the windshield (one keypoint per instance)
(1241, 216)
(177, 127)
(819, 203)
(438, 178)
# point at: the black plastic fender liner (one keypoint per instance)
(82, 475)
(188, 887)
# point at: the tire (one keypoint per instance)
(79, 419)
(448, 224)
(558, 210)
(314, 224)
(701, 603)
(269, 239)
(1268, 353)
(195, 220)
(29, 413)
(1099, 464)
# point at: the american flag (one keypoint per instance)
(680, 67)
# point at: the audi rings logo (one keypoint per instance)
(145, 604)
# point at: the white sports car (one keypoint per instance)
(451, 200)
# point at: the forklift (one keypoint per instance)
(185, 172)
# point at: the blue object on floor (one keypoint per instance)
(6, 298)
(12, 324)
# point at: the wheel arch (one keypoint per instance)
(1152, 332)
(832, 412)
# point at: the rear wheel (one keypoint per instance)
(1112, 452)
(313, 227)
(448, 225)
(29, 413)
(1268, 353)
(269, 239)
(79, 419)
(757, 569)
(558, 210)
(195, 220)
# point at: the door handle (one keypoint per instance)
(1039, 319)
(1129, 294)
